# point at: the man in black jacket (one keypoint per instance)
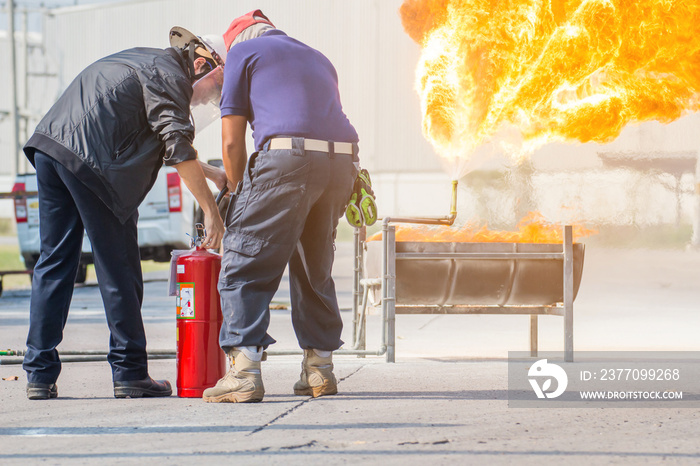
(97, 153)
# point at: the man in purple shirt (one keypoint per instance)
(289, 197)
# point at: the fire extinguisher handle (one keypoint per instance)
(221, 195)
(200, 234)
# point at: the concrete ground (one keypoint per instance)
(445, 399)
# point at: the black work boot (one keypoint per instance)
(41, 391)
(142, 388)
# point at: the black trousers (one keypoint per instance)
(66, 207)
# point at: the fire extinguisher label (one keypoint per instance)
(185, 301)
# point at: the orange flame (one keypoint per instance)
(531, 229)
(554, 69)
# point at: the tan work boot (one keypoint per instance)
(241, 384)
(317, 377)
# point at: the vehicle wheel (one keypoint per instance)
(82, 273)
(29, 264)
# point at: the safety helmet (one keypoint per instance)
(206, 88)
(216, 46)
(210, 47)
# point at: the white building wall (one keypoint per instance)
(34, 93)
(30, 92)
(364, 39)
(376, 63)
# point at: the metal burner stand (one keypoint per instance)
(387, 285)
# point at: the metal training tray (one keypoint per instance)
(513, 280)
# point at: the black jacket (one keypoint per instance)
(118, 121)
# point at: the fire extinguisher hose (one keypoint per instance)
(9, 357)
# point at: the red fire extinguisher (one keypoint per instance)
(200, 360)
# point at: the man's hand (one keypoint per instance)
(192, 174)
(218, 176)
(215, 230)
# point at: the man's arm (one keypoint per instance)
(191, 173)
(217, 175)
(166, 99)
(234, 155)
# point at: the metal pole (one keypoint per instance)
(391, 294)
(361, 343)
(453, 203)
(10, 352)
(695, 240)
(568, 294)
(340, 352)
(356, 284)
(25, 83)
(99, 355)
(533, 335)
(385, 285)
(363, 297)
(449, 220)
(14, 114)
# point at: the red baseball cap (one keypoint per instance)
(243, 22)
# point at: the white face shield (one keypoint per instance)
(204, 106)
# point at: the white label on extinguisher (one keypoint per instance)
(185, 302)
(180, 268)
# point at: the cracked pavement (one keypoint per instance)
(444, 401)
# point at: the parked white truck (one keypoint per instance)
(165, 219)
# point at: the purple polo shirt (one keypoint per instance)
(284, 88)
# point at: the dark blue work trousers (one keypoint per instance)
(66, 207)
(286, 212)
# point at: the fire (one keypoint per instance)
(531, 229)
(554, 70)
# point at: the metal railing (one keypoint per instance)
(386, 283)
